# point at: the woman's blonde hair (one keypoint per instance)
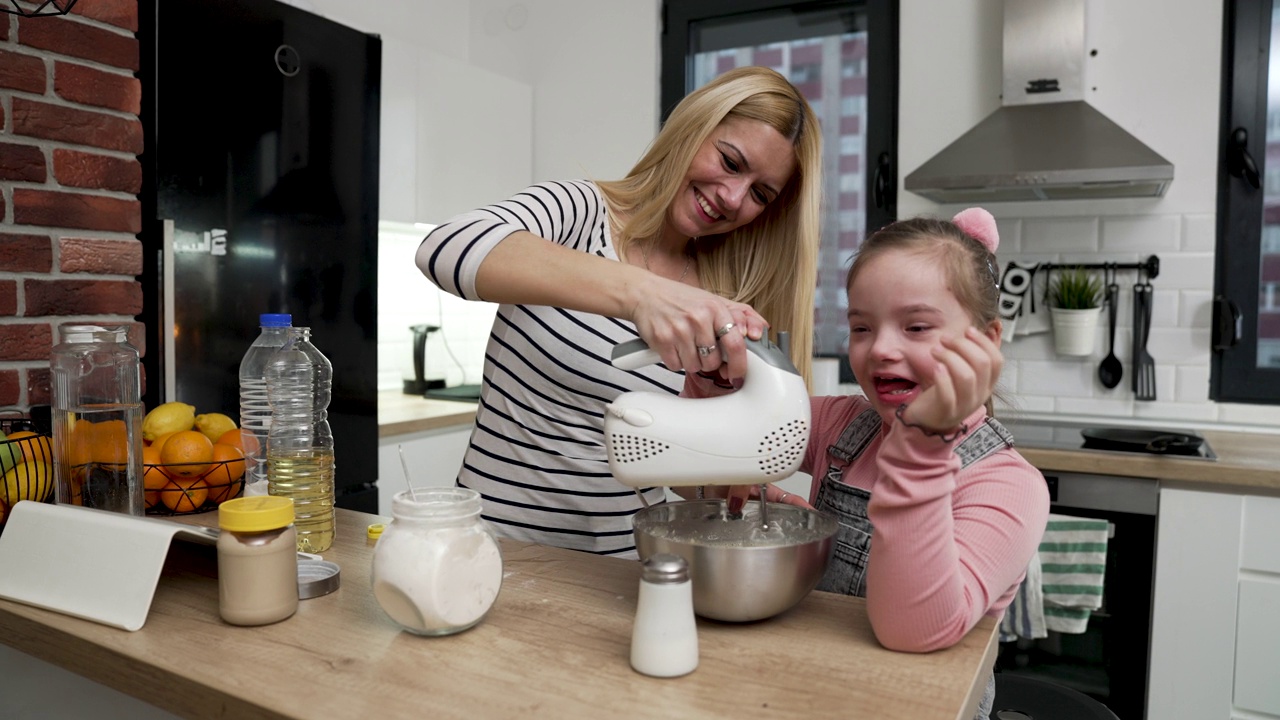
(770, 263)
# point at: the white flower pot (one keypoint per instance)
(1074, 331)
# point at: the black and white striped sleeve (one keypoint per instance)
(562, 212)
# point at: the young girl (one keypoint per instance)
(939, 516)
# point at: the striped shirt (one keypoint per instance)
(537, 453)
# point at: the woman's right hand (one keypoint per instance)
(675, 320)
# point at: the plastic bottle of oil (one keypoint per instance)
(300, 458)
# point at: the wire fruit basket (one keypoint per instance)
(189, 488)
(26, 465)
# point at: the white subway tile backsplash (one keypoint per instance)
(1010, 231)
(1191, 384)
(1023, 404)
(1063, 377)
(1109, 406)
(1183, 346)
(1159, 410)
(1195, 309)
(1164, 308)
(1060, 235)
(1265, 416)
(1145, 234)
(1185, 271)
(1199, 233)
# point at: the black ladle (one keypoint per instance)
(1110, 370)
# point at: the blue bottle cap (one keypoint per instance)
(275, 320)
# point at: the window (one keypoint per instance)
(843, 57)
(1246, 338)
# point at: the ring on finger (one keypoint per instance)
(705, 350)
(724, 330)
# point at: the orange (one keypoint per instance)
(224, 479)
(110, 443)
(80, 443)
(153, 477)
(247, 443)
(159, 442)
(37, 448)
(184, 495)
(188, 453)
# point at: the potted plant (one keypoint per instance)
(1075, 302)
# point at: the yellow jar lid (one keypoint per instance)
(257, 513)
(375, 531)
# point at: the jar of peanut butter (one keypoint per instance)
(257, 560)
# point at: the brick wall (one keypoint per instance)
(69, 179)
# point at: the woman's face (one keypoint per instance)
(900, 308)
(740, 168)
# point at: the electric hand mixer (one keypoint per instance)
(752, 436)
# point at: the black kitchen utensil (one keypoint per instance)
(1110, 370)
(1160, 442)
(1144, 366)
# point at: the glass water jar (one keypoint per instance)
(97, 419)
(437, 568)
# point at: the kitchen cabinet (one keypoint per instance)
(453, 136)
(1215, 636)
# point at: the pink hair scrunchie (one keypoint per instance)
(979, 225)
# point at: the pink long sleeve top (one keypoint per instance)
(949, 545)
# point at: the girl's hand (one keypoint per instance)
(736, 496)
(966, 374)
(676, 319)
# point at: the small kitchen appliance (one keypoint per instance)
(752, 436)
(418, 384)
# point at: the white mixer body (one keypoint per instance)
(753, 435)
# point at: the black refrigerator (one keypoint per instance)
(261, 195)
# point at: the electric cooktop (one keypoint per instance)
(1108, 438)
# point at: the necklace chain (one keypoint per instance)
(688, 260)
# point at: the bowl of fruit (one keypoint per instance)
(191, 462)
(26, 465)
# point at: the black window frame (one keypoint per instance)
(881, 171)
(1234, 372)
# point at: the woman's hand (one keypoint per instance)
(966, 375)
(676, 320)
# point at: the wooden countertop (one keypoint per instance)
(400, 414)
(1247, 461)
(555, 644)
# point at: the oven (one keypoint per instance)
(1110, 660)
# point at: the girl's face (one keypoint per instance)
(900, 308)
(741, 167)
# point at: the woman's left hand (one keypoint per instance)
(966, 375)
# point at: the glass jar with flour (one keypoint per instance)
(437, 568)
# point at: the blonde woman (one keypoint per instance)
(712, 237)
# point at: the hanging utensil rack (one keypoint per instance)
(1150, 266)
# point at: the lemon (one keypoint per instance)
(30, 480)
(10, 453)
(214, 425)
(170, 417)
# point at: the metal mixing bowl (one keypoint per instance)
(739, 571)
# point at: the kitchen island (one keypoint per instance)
(555, 644)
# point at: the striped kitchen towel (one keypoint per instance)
(1073, 561)
(1024, 618)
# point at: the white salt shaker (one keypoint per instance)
(664, 639)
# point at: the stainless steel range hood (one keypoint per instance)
(1046, 142)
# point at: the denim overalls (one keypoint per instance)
(847, 571)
